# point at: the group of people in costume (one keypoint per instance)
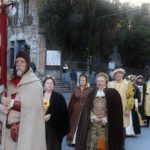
(98, 118)
(112, 109)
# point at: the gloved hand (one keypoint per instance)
(47, 117)
(4, 109)
(6, 101)
(104, 121)
(95, 119)
(127, 113)
(140, 104)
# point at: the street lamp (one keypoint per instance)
(88, 64)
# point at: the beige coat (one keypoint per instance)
(147, 100)
(32, 125)
(126, 92)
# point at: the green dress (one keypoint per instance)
(97, 135)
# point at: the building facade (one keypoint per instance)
(24, 33)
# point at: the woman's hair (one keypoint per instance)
(83, 75)
(102, 74)
(47, 78)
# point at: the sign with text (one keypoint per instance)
(53, 58)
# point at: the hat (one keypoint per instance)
(118, 70)
(139, 76)
(26, 56)
(131, 77)
(103, 75)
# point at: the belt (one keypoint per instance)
(8, 126)
(147, 93)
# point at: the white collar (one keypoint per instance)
(100, 93)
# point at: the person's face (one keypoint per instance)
(101, 82)
(119, 75)
(21, 66)
(140, 80)
(49, 85)
(83, 81)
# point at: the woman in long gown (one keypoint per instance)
(75, 106)
(134, 128)
(101, 121)
(56, 115)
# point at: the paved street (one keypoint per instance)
(132, 143)
(139, 143)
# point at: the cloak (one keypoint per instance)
(58, 125)
(31, 134)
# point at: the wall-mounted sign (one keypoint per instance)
(53, 58)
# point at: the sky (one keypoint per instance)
(136, 1)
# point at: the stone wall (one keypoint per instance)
(27, 30)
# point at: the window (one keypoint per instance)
(21, 45)
(12, 51)
(16, 15)
(26, 8)
(15, 47)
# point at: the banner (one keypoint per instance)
(3, 64)
(3, 44)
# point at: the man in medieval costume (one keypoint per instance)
(146, 101)
(126, 92)
(134, 128)
(25, 128)
(140, 84)
(101, 122)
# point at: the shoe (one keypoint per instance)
(130, 135)
(70, 144)
(146, 126)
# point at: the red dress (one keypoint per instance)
(74, 109)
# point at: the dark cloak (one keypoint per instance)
(58, 125)
(142, 108)
(135, 118)
(115, 120)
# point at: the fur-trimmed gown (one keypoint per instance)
(90, 135)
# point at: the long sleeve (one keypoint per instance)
(130, 97)
(59, 114)
(16, 105)
(71, 103)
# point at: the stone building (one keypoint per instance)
(24, 33)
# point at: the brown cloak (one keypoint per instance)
(115, 120)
